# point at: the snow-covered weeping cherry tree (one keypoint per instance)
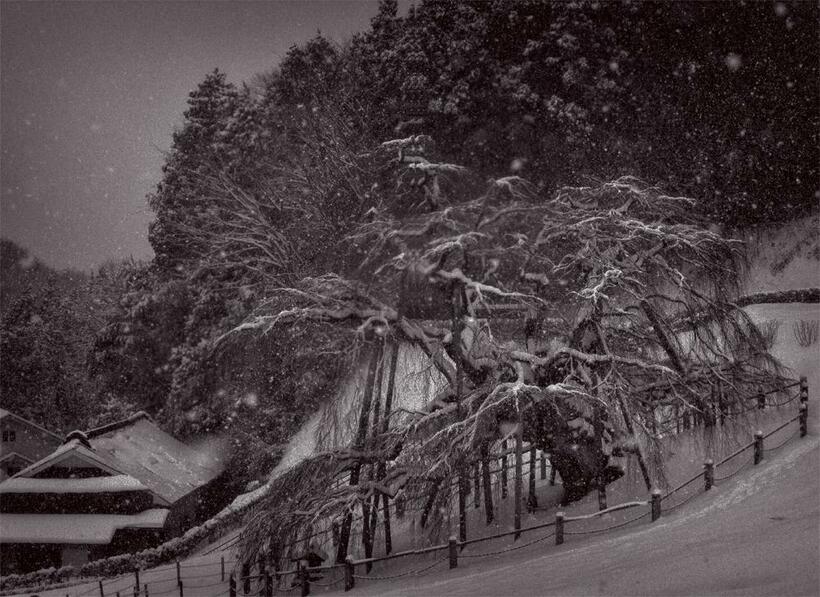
(578, 321)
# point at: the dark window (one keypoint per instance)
(9, 435)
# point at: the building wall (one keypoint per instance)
(12, 465)
(120, 502)
(26, 440)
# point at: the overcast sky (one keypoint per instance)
(91, 92)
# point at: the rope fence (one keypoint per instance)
(269, 581)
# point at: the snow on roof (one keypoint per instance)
(97, 529)
(75, 447)
(165, 465)
(110, 484)
(138, 448)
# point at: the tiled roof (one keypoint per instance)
(165, 465)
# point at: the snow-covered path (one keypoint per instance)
(757, 535)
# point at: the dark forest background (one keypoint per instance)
(717, 101)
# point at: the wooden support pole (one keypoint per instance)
(476, 485)
(601, 495)
(543, 465)
(519, 474)
(708, 474)
(458, 325)
(222, 567)
(358, 444)
(350, 580)
(304, 577)
(559, 528)
(488, 488)
(656, 504)
(232, 586)
(504, 469)
(137, 586)
(721, 403)
(804, 389)
(246, 578)
(758, 447)
(804, 419)
(268, 584)
(102, 594)
(371, 508)
(453, 549)
(388, 405)
(179, 573)
(462, 507)
(431, 499)
(532, 498)
(628, 422)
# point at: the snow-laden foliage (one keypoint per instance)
(579, 316)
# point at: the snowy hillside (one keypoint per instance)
(753, 534)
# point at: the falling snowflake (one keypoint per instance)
(733, 61)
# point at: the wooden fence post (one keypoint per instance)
(804, 389)
(758, 447)
(559, 528)
(708, 474)
(532, 498)
(137, 583)
(761, 401)
(504, 469)
(268, 585)
(222, 567)
(543, 466)
(488, 488)
(656, 504)
(453, 548)
(179, 575)
(102, 594)
(519, 474)
(232, 586)
(350, 580)
(601, 494)
(804, 419)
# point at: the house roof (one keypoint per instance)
(97, 529)
(15, 455)
(112, 484)
(72, 448)
(138, 448)
(7, 413)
